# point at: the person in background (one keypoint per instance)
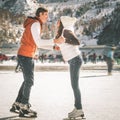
(68, 44)
(84, 57)
(18, 67)
(30, 42)
(110, 60)
(94, 59)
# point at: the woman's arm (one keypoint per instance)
(59, 40)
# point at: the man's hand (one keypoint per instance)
(36, 57)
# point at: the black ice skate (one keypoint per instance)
(15, 107)
(25, 111)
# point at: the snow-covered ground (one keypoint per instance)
(87, 17)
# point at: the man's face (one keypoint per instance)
(44, 17)
(58, 23)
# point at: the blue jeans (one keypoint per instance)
(75, 65)
(109, 62)
(27, 65)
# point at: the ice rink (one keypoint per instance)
(52, 95)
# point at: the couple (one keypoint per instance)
(65, 40)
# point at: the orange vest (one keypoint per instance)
(27, 46)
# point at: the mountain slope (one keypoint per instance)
(19, 6)
(111, 33)
(94, 17)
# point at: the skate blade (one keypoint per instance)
(16, 118)
(77, 118)
(17, 112)
(28, 116)
(73, 118)
(22, 118)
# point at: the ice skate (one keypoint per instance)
(25, 111)
(15, 107)
(75, 115)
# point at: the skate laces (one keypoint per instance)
(76, 112)
(16, 103)
(29, 105)
(24, 106)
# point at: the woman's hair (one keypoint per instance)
(60, 29)
(40, 10)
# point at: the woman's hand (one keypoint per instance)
(55, 47)
(60, 40)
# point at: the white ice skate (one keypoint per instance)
(75, 115)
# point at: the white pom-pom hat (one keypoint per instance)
(68, 22)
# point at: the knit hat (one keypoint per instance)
(68, 22)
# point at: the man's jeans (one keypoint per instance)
(75, 65)
(27, 65)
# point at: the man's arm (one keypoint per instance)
(45, 44)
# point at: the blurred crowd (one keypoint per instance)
(53, 58)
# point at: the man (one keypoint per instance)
(29, 43)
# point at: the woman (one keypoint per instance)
(68, 43)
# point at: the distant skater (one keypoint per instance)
(110, 61)
(18, 67)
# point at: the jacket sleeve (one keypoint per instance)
(45, 44)
(70, 37)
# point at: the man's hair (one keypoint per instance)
(40, 10)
